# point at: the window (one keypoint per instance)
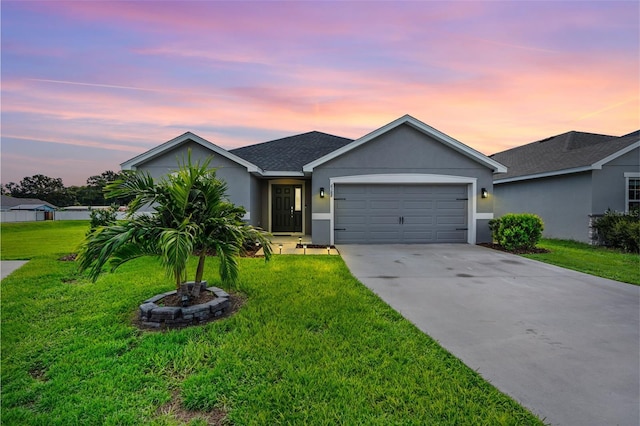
(632, 191)
(298, 198)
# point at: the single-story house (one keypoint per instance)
(25, 209)
(570, 179)
(8, 203)
(405, 182)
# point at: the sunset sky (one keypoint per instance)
(87, 85)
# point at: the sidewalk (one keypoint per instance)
(8, 266)
(288, 245)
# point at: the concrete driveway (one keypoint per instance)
(564, 344)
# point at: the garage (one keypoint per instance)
(400, 213)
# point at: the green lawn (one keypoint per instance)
(311, 346)
(598, 261)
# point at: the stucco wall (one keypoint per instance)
(255, 201)
(235, 175)
(609, 183)
(401, 150)
(563, 202)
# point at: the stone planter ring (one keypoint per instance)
(156, 316)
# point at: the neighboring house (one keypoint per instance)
(25, 209)
(403, 183)
(8, 203)
(570, 179)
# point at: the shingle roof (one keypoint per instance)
(567, 151)
(291, 153)
(8, 202)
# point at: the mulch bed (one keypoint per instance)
(535, 250)
(68, 257)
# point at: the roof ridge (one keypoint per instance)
(288, 137)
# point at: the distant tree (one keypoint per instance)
(42, 187)
(6, 189)
(94, 192)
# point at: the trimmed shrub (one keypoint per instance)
(517, 231)
(494, 227)
(102, 217)
(619, 230)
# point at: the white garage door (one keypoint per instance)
(400, 213)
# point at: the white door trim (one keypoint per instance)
(270, 200)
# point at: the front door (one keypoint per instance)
(286, 208)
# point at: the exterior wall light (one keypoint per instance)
(484, 192)
(322, 192)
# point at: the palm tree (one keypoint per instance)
(191, 214)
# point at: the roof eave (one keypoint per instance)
(543, 175)
(628, 148)
(420, 126)
(595, 166)
(133, 163)
(287, 173)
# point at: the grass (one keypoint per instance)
(594, 260)
(311, 346)
(25, 240)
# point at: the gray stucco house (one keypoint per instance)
(405, 182)
(570, 179)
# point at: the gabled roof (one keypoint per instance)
(7, 202)
(32, 207)
(569, 152)
(291, 153)
(420, 126)
(133, 163)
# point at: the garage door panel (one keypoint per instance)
(349, 220)
(450, 204)
(383, 237)
(450, 189)
(417, 220)
(351, 204)
(451, 220)
(391, 205)
(385, 220)
(390, 213)
(418, 204)
(418, 189)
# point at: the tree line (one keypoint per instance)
(53, 191)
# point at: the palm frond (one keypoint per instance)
(228, 257)
(140, 186)
(100, 245)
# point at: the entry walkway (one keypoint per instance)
(562, 343)
(288, 245)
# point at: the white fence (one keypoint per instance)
(33, 216)
(21, 216)
(81, 215)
